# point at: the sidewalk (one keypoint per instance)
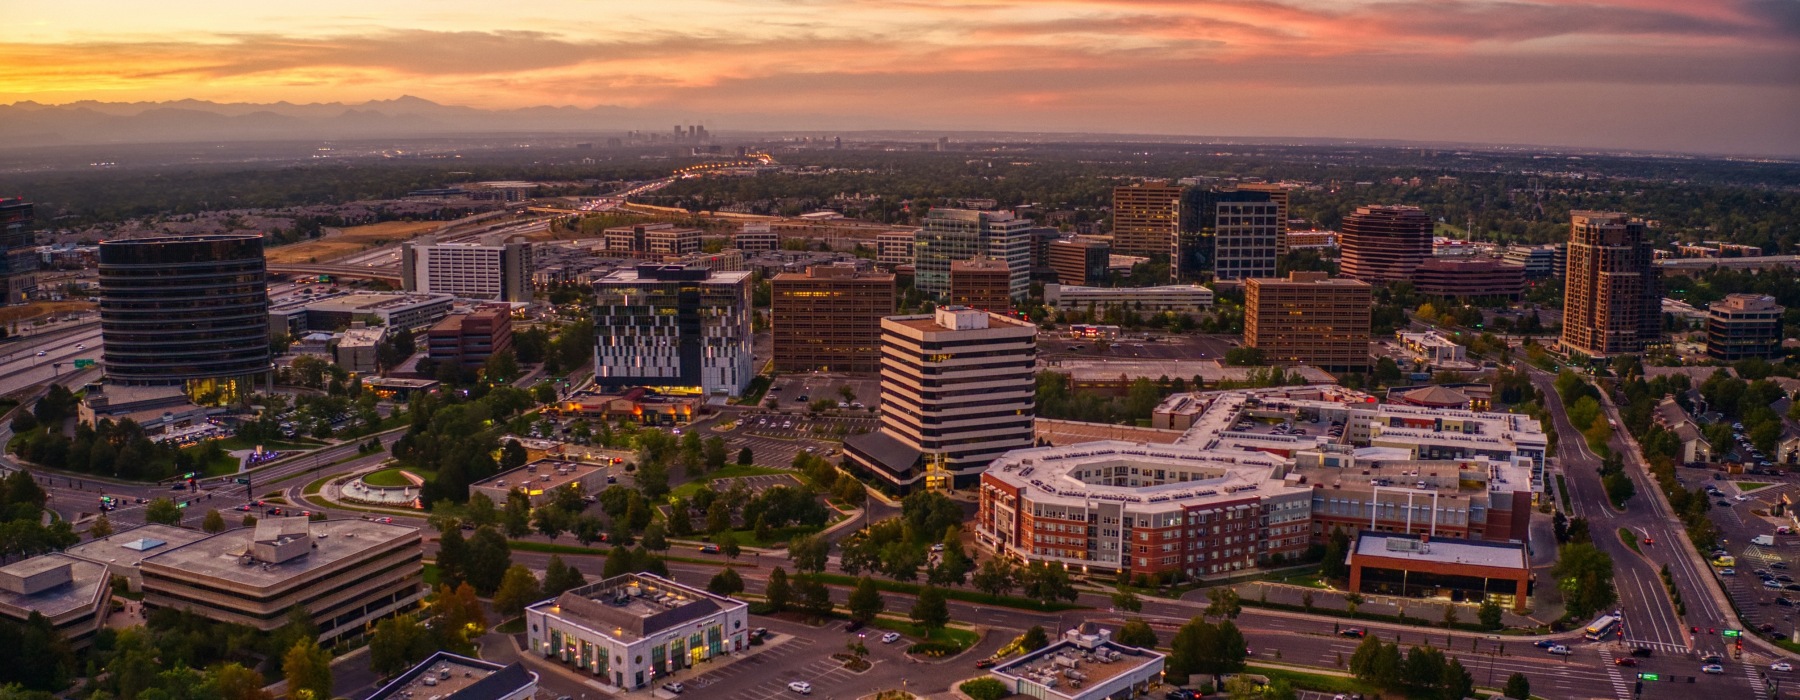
(1426, 612)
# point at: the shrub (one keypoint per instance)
(985, 689)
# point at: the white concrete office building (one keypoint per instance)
(468, 270)
(630, 631)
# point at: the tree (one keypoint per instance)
(1224, 602)
(995, 577)
(307, 669)
(453, 557)
(1352, 601)
(501, 367)
(518, 588)
(1136, 632)
(457, 618)
(1047, 583)
(985, 688)
(232, 681)
(809, 552)
(1518, 687)
(559, 577)
(489, 557)
(551, 521)
(1191, 643)
(398, 643)
(865, 601)
(163, 511)
(726, 582)
(778, 593)
(656, 539)
(1336, 548)
(213, 523)
(745, 457)
(713, 453)
(1455, 682)
(517, 515)
(814, 597)
(1126, 601)
(1450, 615)
(1584, 574)
(102, 526)
(1034, 639)
(1489, 614)
(728, 544)
(718, 517)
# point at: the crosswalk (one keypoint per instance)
(1621, 687)
(1754, 675)
(1666, 647)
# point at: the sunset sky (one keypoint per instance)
(1690, 75)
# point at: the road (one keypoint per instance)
(1649, 614)
(22, 368)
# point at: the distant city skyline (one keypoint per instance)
(1664, 75)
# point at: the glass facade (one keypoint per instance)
(190, 311)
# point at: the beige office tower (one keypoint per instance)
(1146, 219)
(1612, 304)
(1309, 318)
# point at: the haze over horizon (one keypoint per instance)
(1665, 75)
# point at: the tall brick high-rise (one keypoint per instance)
(1612, 303)
(828, 318)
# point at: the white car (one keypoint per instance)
(675, 688)
(801, 687)
(1559, 650)
(1781, 666)
(81, 346)
(890, 638)
(1714, 669)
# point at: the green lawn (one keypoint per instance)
(961, 638)
(1751, 485)
(731, 471)
(386, 477)
(1630, 539)
(1314, 681)
(432, 575)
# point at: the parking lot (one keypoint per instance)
(1152, 347)
(794, 392)
(1764, 583)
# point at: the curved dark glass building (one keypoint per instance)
(185, 310)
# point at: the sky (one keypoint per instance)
(1705, 76)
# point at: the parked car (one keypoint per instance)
(675, 688)
(1184, 694)
(805, 688)
(890, 638)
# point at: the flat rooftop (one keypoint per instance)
(128, 548)
(1183, 477)
(86, 580)
(1441, 551)
(447, 676)
(219, 556)
(541, 476)
(635, 606)
(1105, 661)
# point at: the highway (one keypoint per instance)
(21, 368)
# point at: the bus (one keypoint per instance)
(1603, 627)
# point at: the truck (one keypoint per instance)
(1763, 540)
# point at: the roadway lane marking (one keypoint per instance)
(1619, 685)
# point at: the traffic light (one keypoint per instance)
(1638, 689)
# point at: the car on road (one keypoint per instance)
(1781, 666)
(1641, 652)
(81, 346)
(42, 353)
(1559, 650)
(1184, 694)
(1352, 632)
(1714, 669)
(989, 663)
(1625, 661)
(1741, 498)
(675, 688)
(1712, 659)
(805, 688)
(1727, 571)
(1544, 643)
(1724, 503)
(890, 638)
(709, 549)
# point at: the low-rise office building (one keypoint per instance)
(1086, 664)
(637, 405)
(630, 631)
(346, 574)
(1078, 261)
(1179, 298)
(894, 248)
(1742, 326)
(1469, 279)
(1434, 350)
(70, 592)
(657, 239)
(447, 676)
(470, 339)
(1423, 566)
(122, 552)
(397, 311)
(756, 235)
(981, 283)
(359, 349)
